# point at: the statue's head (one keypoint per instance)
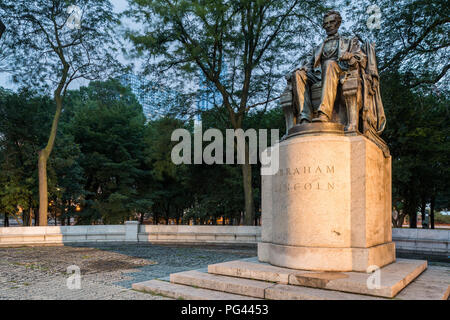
(331, 22)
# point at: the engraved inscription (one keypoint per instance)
(329, 169)
(308, 178)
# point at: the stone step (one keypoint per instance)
(433, 284)
(259, 289)
(252, 270)
(178, 291)
(290, 292)
(392, 278)
(246, 287)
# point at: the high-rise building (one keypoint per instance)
(156, 100)
(208, 95)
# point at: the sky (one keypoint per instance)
(119, 6)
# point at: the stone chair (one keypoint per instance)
(347, 109)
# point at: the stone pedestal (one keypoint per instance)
(329, 206)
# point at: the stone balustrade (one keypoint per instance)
(199, 234)
(415, 241)
(427, 242)
(54, 235)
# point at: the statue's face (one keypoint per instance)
(331, 24)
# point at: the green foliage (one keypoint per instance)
(24, 118)
(413, 38)
(40, 44)
(169, 189)
(108, 125)
(240, 49)
(418, 136)
(114, 166)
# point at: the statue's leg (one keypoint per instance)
(301, 86)
(288, 108)
(351, 89)
(352, 111)
(330, 75)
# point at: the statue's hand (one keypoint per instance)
(346, 56)
(374, 83)
(289, 75)
(304, 68)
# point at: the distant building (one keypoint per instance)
(156, 100)
(208, 95)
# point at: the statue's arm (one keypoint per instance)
(355, 55)
(309, 65)
(306, 67)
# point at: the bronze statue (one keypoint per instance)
(338, 84)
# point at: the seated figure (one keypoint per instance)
(339, 83)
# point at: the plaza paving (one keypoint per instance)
(107, 270)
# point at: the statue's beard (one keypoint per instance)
(331, 32)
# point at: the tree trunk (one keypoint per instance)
(30, 218)
(43, 194)
(422, 209)
(6, 221)
(413, 219)
(44, 154)
(63, 213)
(432, 205)
(248, 193)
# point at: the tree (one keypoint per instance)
(108, 126)
(242, 48)
(4, 50)
(418, 136)
(413, 38)
(169, 188)
(24, 116)
(66, 175)
(412, 50)
(47, 53)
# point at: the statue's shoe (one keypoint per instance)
(303, 121)
(321, 118)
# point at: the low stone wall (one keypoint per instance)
(425, 242)
(411, 241)
(199, 234)
(130, 231)
(17, 236)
